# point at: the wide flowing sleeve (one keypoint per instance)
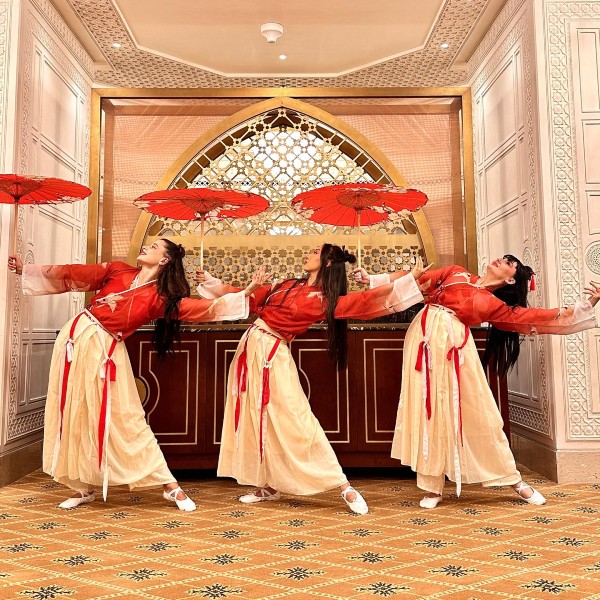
(427, 282)
(213, 287)
(259, 297)
(435, 277)
(229, 307)
(573, 319)
(380, 301)
(38, 280)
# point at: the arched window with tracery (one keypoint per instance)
(278, 153)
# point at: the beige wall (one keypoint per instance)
(535, 102)
(46, 86)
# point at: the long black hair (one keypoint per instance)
(502, 347)
(333, 280)
(172, 286)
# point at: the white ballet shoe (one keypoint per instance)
(261, 495)
(430, 501)
(535, 498)
(358, 505)
(73, 502)
(187, 504)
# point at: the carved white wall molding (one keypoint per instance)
(53, 18)
(493, 34)
(498, 54)
(538, 420)
(582, 422)
(502, 48)
(45, 40)
(4, 41)
(592, 258)
(40, 31)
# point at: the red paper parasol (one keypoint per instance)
(202, 204)
(35, 189)
(357, 204)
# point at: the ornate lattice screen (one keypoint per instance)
(279, 154)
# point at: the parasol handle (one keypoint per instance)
(202, 242)
(15, 228)
(358, 245)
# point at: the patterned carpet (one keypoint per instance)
(483, 545)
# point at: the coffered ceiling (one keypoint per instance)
(332, 43)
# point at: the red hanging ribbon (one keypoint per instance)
(242, 381)
(66, 371)
(109, 375)
(266, 392)
(532, 283)
(242, 378)
(424, 353)
(454, 356)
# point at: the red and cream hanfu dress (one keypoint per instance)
(95, 431)
(448, 422)
(270, 435)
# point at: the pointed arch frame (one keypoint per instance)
(286, 97)
(240, 117)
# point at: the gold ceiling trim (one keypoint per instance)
(287, 92)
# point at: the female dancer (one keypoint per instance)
(448, 422)
(95, 430)
(271, 439)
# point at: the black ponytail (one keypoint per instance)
(333, 280)
(172, 286)
(502, 348)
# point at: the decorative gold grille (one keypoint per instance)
(279, 154)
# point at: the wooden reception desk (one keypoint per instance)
(184, 396)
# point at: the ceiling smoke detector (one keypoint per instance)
(272, 31)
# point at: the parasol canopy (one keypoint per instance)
(358, 204)
(202, 204)
(36, 189)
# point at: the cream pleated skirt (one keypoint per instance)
(133, 456)
(297, 456)
(433, 448)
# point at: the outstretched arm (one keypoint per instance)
(563, 321)
(211, 287)
(420, 273)
(38, 280)
(380, 301)
(228, 307)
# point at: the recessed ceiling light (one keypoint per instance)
(445, 45)
(282, 56)
(116, 44)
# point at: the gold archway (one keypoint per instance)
(185, 168)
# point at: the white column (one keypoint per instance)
(10, 20)
(49, 78)
(535, 79)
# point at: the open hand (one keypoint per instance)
(419, 268)
(593, 292)
(15, 264)
(259, 277)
